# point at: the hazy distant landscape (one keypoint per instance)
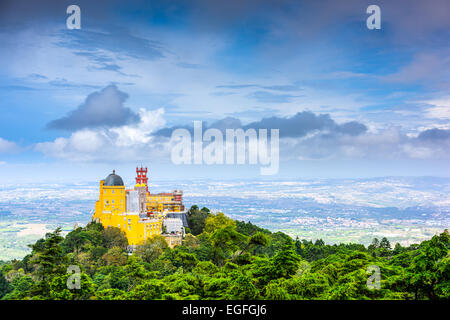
(405, 210)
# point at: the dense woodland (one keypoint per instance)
(221, 258)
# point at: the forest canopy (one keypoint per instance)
(221, 258)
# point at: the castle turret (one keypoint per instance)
(178, 195)
(141, 177)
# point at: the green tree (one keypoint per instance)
(115, 256)
(218, 221)
(258, 239)
(49, 258)
(180, 258)
(74, 240)
(286, 262)
(308, 286)
(427, 271)
(275, 291)
(60, 291)
(196, 220)
(152, 248)
(114, 237)
(152, 289)
(5, 287)
(242, 289)
(225, 241)
(19, 288)
(385, 244)
(374, 245)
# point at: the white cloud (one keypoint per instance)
(440, 108)
(140, 133)
(129, 142)
(8, 146)
(136, 142)
(386, 144)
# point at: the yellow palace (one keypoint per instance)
(137, 212)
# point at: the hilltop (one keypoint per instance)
(221, 258)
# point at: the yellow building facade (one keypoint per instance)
(136, 212)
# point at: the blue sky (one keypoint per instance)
(81, 102)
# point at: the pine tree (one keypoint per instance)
(285, 263)
(49, 259)
(5, 287)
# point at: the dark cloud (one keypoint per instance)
(305, 122)
(167, 132)
(296, 126)
(227, 123)
(434, 135)
(352, 128)
(100, 109)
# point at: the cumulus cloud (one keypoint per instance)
(305, 135)
(143, 141)
(103, 108)
(308, 136)
(434, 134)
(305, 122)
(298, 125)
(128, 142)
(386, 144)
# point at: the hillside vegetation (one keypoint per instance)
(221, 258)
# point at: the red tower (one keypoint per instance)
(141, 176)
(178, 195)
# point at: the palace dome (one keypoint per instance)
(113, 180)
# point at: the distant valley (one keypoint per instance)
(406, 210)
